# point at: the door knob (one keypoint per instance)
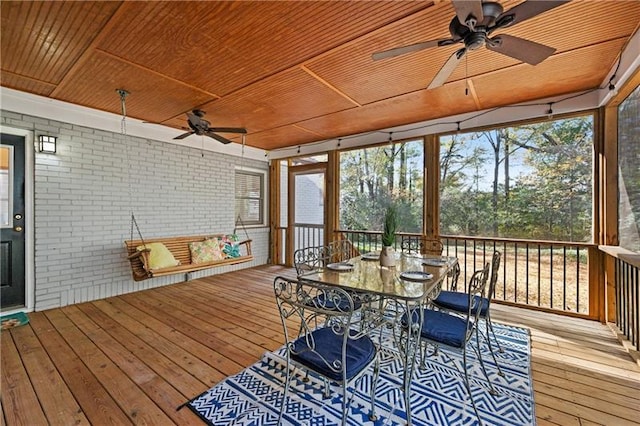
(17, 216)
(18, 229)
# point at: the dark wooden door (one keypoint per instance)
(12, 221)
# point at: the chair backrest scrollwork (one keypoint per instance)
(313, 258)
(495, 266)
(302, 302)
(476, 290)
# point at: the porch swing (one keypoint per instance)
(157, 257)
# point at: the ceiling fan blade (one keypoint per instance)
(447, 68)
(184, 135)
(217, 137)
(524, 50)
(526, 10)
(469, 10)
(397, 51)
(229, 130)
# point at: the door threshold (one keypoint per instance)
(13, 310)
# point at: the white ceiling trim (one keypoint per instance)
(535, 109)
(629, 63)
(52, 109)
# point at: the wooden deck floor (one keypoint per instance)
(135, 358)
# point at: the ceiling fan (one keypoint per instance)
(473, 24)
(200, 126)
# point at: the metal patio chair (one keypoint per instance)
(337, 351)
(455, 301)
(455, 332)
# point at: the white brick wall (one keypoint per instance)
(84, 196)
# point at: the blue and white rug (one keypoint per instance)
(438, 396)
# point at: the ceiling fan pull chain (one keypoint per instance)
(243, 142)
(466, 75)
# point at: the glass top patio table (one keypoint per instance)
(367, 276)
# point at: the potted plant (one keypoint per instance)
(390, 225)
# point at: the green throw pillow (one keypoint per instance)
(159, 257)
(205, 251)
(231, 247)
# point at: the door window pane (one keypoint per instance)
(308, 211)
(6, 185)
(309, 205)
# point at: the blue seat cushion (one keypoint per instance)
(459, 302)
(327, 348)
(441, 327)
(445, 328)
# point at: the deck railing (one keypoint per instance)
(308, 235)
(545, 274)
(626, 284)
(628, 301)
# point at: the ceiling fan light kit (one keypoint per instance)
(472, 26)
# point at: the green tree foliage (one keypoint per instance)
(532, 181)
(371, 179)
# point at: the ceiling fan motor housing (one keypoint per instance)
(475, 34)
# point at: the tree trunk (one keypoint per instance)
(496, 168)
(367, 173)
(402, 183)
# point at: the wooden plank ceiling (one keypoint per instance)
(294, 72)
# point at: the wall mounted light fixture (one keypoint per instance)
(47, 144)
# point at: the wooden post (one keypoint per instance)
(608, 174)
(274, 212)
(332, 195)
(431, 225)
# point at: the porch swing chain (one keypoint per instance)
(123, 130)
(239, 218)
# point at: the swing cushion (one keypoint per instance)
(179, 248)
(159, 256)
(205, 251)
(230, 246)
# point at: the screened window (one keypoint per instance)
(372, 178)
(532, 181)
(629, 171)
(250, 197)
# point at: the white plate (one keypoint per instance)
(371, 256)
(434, 262)
(416, 276)
(341, 266)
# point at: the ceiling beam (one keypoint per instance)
(329, 85)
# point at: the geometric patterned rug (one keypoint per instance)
(438, 396)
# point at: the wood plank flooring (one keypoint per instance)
(133, 359)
